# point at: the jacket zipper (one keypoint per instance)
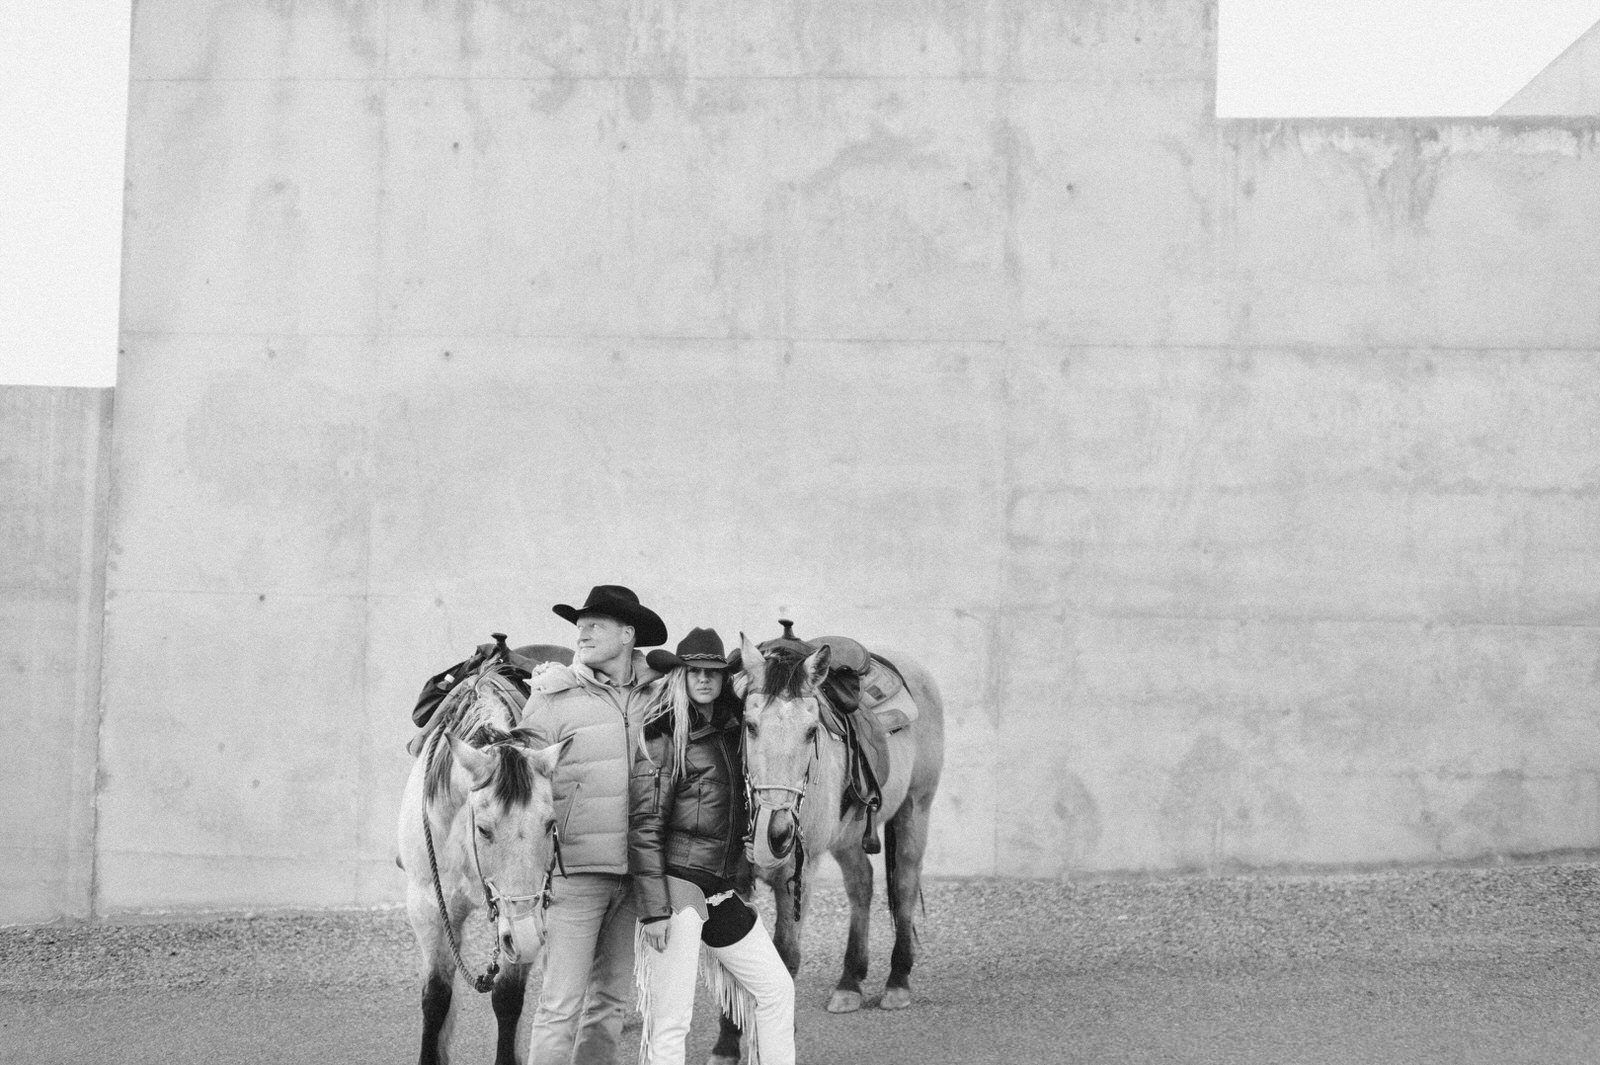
(572, 802)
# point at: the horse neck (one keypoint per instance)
(819, 819)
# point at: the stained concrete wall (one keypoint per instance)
(1237, 479)
(54, 462)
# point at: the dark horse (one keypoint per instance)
(796, 773)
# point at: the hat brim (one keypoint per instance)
(663, 661)
(648, 628)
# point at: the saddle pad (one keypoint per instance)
(895, 712)
(880, 683)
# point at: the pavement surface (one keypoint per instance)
(1487, 965)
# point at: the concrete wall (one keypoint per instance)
(54, 461)
(1237, 479)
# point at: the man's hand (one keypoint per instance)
(655, 934)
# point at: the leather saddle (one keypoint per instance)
(522, 660)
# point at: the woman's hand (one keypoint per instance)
(655, 934)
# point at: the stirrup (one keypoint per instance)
(870, 844)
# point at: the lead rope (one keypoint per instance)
(482, 983)
(796, 882)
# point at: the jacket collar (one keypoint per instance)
(721, 721)
(642, 674)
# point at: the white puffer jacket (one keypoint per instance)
(591, 781)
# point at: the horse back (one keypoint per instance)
(926, 733)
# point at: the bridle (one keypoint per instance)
(493, 898)
(796, 797)
(790, 799)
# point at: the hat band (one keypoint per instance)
(701, 657)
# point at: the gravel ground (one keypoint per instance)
(1493, 965)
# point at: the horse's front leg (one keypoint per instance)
(438, 973)
(905, 843)
(857, 869)
(510, 989)
(438, 1016)
(726, 1052)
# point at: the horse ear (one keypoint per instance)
(817, 665)
(478, 765)
(544, 760)
(751, 664)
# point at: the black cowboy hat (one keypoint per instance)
(701, 649)
(615, 601)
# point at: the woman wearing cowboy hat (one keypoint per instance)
(685, 845)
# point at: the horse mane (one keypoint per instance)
(512, 779)
(467, 713)
(784, 674)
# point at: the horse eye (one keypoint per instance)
(549, 825)
(750, 728)
(811, 733)
(485, 832)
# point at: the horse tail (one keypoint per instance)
(891, 866)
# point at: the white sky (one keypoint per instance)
(1355, 58)
(63, 102)
(63, 107)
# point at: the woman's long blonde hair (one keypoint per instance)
(673, 699)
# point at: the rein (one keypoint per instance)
(492, 897)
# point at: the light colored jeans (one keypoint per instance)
(588, 968)
(667, 982)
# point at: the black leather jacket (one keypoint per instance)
(689, 824)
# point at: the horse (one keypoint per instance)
(477, 831)
(795, 772)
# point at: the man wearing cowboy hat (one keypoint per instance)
(596, 706)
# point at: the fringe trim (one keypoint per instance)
(734, 1000)
(642, 967)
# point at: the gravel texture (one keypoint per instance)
(1488, 964)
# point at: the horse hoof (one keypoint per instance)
(844, 1001)
(722, 1059)
(895, 998)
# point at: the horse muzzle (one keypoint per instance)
(774, 837)
(520, 926)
